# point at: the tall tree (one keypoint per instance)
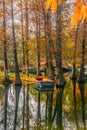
(82, 75)
(74, 55)
(45, 36)
(6, 78)
(57, 6)
(48, 42)
(49, 47)
(22, 36)
(26, 37)
(60, 78)
(17, 75)
(80, 15)
(38, 40)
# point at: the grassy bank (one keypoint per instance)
(24, 78)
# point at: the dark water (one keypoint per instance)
(25, 108)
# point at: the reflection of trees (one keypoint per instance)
(23, 105)
(6, 105)
(74, 94)
(49, 109)
(25, 110)
(38, 112)
(50, 113)
(27, 107)
(81, 88)
(58, 109)
(17, 95)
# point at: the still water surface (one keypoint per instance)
(25, 108)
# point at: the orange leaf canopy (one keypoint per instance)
(80, 12)
(53, 4)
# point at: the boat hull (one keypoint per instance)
(45, 85)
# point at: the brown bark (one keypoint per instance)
(38, 42)
(50, 69)
(46, 40)
(27, 38)
(60, 81)
(22, 37)
(17, 75)
(82, 75)
(74, 56)
(6, 78)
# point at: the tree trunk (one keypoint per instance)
(27, 38)
(38, 42)
(6, 78)
(74, 56)
(82, 75)
(46, 40)
(50, 68)
(22, 37)
(17, 75)
(60, 81)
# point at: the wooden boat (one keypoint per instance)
(45, 85)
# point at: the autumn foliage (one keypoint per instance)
(80, 13)
(53, 4)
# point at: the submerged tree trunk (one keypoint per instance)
(82, 75)
(74, 56)
(22, 37)
(6, 78)
(17, 75)
(60, 81)
(27, 38)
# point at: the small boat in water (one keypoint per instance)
(45, 85)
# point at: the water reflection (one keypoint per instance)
(6, 105)
(53, 114)
(75, 104)
(81, 89)
(47, 111)
(17, 95)
(24, 108)
(58, 109)
(27, 107)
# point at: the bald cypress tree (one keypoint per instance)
(17, 75)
